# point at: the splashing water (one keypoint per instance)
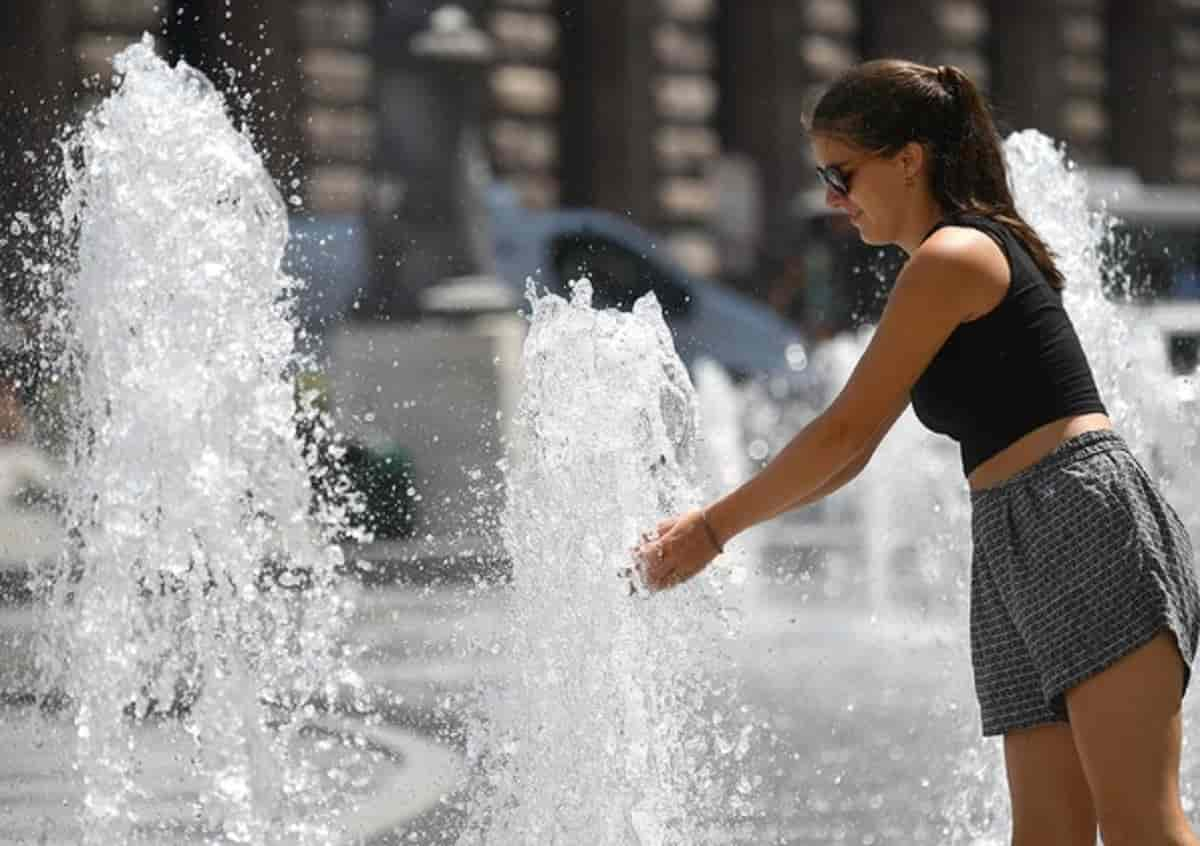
(199, 587)
(606, 733)
(1152, 407)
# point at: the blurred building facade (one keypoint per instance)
(683, 114)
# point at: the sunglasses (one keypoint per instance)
(836, 179)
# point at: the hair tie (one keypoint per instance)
(948, 79)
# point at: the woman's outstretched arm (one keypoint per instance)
(850, 472)
(797, 474)
(955, 276)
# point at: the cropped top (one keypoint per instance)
(1004, 374)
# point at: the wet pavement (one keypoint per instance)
(869, 728)
(404, 768)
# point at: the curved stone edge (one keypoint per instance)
(430, 772)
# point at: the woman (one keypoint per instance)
(1085, 609)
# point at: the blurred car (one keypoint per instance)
(624, 262)
(419, 385)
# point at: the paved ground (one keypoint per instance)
(874, 726)
(411, 768)
(849, 760)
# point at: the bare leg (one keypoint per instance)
(1051, 803)
(1128, 729)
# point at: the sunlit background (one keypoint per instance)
(317, 475)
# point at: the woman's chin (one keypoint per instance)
(864, 233)
(863, 227)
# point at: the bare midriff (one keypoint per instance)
(1033, 447)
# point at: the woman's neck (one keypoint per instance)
(919, 222)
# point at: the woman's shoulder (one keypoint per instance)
(995, 229)
(968, 241)
(971, 258)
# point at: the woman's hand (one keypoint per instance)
(683, 547)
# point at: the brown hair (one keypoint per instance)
(884, 104)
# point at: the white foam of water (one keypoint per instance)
(199, 584)
(1147, 402)
(612, 730)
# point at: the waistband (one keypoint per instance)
(1074, 449)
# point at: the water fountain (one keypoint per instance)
(193, 650)
(195, 636)
(611, 728)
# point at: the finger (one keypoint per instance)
(658, 569)
(666, 580)
(644, 563)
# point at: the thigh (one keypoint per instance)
(1051, 802)
(1128, 727)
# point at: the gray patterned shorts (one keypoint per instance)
(1078, 560)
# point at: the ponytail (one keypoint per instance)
(887, 103)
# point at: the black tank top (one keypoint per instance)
(1018, 367)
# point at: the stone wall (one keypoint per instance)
(776, 57)
(685, 140)
(37, 73)
(1179, 27)
(935, 32)
(1154, 94)
(1050, 72)
(298, 61)
(336, 109)
(665, 109)
(523, 130)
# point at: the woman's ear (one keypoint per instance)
(913, 158)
